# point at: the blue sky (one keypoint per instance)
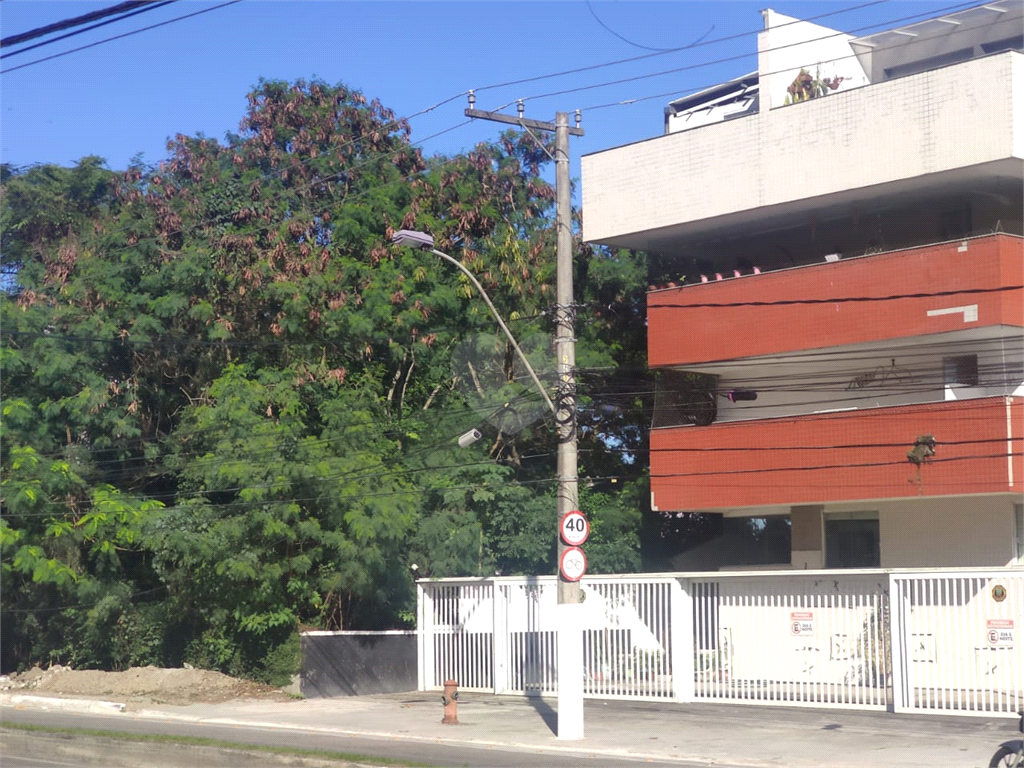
(126, 97)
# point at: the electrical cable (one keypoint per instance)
(738, 57)
(699, 44)
(197, 463)
(419, 490)
(149, 5)
(436, 134)
(118, 37)
(77, 21)
(840, 299)
(804, 468)
(678, 94)
(760, 383)
(637, 45)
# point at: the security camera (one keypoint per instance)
(469, 438)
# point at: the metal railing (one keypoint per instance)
(956, 637)
(937, 641)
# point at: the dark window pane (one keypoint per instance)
(851, 544)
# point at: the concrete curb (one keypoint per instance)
(88, 706)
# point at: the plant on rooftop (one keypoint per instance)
(806, 87)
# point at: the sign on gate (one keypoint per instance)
(999, 632)
(801, 623)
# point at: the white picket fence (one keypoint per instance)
(924, 641)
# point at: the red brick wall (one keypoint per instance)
(682, 334)
(707, 468)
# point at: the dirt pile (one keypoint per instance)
(139, 684)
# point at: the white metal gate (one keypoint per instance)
(460, 641)
(936, 641)
(957, 642)
(631, 637)
(792, 639)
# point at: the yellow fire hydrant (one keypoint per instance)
(450, 699)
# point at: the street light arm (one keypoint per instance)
(508, 333)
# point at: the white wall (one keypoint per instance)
(788, 45)
(976, 531)
(1017, 98)
(891, 131)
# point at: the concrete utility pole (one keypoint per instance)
(570, 633)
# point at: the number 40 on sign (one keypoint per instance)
(574, 528)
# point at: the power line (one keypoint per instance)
(167, 341)
(858, 465)
(148, 5)
(837, 299)
(80, 606)
(698, 44)
(76, 21)
(118, 37)
(420, 490)
(445, 101)
(680, 93)
(226, 218)
(611, 31)
(737, 57)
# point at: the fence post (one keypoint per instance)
(425, 636)
(681, 639)
(499, 643)
(897, 631)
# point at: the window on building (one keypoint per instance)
(1018, 525)
(852, 540)
(1009, 44)
(961, 370)
(924, 65)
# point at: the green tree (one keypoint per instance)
(229, 406)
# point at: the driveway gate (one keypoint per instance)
(947, 641)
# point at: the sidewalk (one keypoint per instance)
(708, 734)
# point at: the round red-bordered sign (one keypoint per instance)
(574, 528)
(573, 564)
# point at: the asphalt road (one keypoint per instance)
(9, 761)
(441, 755)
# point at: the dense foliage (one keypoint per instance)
(230, 405)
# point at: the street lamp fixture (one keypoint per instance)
(425, 242)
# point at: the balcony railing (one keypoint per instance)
(850, 455)
(966, 284)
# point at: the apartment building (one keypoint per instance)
(836, 307)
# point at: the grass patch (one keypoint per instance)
(200, 741)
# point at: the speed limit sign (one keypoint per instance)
(575, 528)
(573, 564)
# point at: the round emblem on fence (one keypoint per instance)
(999, 593)
(573, 564)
